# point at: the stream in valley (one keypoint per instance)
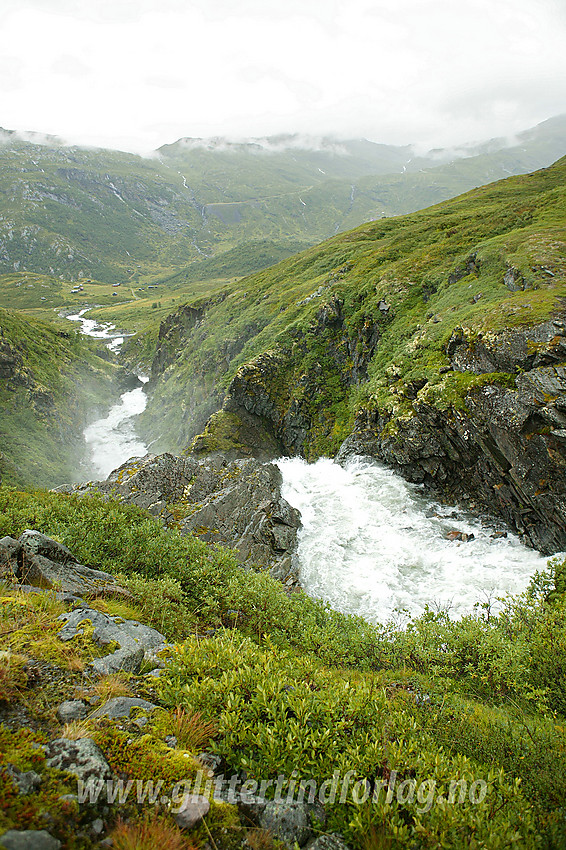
(371, 543)
(112, 440)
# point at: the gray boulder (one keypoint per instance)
(71, 709)
(135, 640)
(82, 758)
(119, 707)
(29, 839)
(9, 550)
(289, 822)
(45, 563)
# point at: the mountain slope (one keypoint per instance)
(115, 217)
(51, 383)
(435, 323)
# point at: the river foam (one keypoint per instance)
(372, 543)
(112, 440)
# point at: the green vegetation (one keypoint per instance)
(51, 382)
(207, 212)
(353, 322)
(466, 718)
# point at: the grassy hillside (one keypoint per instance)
(443, 734)
(51, 383)
(106, 217)
(353, 321)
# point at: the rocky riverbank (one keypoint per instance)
(235, 503)
(501, 445)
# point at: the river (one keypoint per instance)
(112, 440)
(371, 544)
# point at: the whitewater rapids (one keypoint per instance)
(371, 543)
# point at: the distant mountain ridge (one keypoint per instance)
(72, 213)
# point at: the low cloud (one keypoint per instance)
(394, 71)
(267, 144)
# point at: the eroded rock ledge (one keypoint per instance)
(503, 447)
(235, 503)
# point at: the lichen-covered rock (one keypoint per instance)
(151, 482)
(46, 563)
(136, 640)
(333, 841)
(29, 839)
(289, 822)
(81, 757)
(25, 781)
(119, 707)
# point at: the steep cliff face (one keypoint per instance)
(433, 342)
(502, 447)
(296, 393)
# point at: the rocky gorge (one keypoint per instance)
(442, 358)
(501, 447)
(153, 623)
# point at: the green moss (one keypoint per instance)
(453, 390)
(145, 757)
(226, 433)
(44, 808)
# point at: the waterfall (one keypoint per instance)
(112, 440)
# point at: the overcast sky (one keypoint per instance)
(135, 74)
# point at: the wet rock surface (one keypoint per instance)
(505, 448)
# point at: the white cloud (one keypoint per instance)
(139, 73)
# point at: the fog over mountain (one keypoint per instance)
(132, 75)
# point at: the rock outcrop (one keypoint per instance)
(235, 503)
(503, 447)
(282, 402)
(39, 561)
(136, 641)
